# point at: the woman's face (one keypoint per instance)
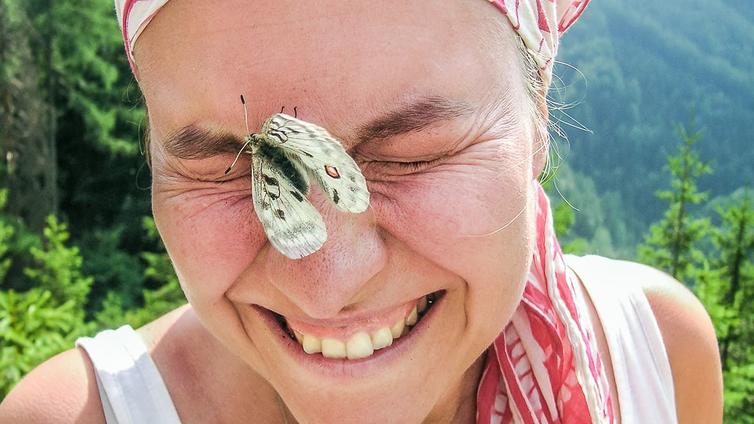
(429, 98)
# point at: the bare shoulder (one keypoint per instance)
(690, 342)
(62, 389)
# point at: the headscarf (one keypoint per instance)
(544, 366)
(133, 16)
(540, 24)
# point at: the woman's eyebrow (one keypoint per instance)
(415, 116)
(194, 142)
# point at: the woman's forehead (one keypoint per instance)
(339, 62)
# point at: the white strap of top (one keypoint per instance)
(130, 386)
(641, 367)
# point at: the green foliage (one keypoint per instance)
(116, 270)
(725, 287)
(81, 54)
(59, 266)
(6, 234)
(34, 326)
(166, 297)
(672, 244)
(738, 394)
(47, 319)
(157, 302)
(719, 260)
(639, 67)
(585, 221)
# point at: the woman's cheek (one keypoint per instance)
(211, 237)
(463, 200)
(450, 215)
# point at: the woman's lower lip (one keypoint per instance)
(348, 368)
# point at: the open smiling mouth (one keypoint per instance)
(359, 341)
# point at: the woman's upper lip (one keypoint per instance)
(348, 318)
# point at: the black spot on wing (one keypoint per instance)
(297, 195)
(335, 197)
(280, 214)
(270, 180)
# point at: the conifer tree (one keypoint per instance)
(672, 242)
(23, 158)
(725, 287)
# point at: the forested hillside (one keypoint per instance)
(642, 67)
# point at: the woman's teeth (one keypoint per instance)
(362, 343)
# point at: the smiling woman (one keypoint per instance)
(447, 300)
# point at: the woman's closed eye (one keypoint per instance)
(400, 167)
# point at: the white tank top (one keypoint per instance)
(640, 363)
(133, 392)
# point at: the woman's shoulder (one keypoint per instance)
(687, 332)
(690, 342)
(64, 388)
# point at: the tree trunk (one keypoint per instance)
(735, 285)
(51, 175)
(24, 137)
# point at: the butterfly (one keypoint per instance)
(285, 156)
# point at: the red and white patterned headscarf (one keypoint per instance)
(133, 17)
(544, 366)
(540, 24)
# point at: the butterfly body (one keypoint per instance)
(286, 155)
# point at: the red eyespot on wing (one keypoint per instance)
(332, 171)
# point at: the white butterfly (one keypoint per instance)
(284, 156)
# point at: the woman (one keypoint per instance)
(446, 301)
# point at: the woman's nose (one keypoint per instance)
(338, 274)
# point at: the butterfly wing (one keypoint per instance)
(315, 150)
(292, 224)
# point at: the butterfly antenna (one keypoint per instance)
(245, 114)
(246, 122)
(238, 156)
